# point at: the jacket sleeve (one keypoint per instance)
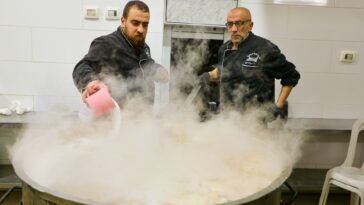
(277, 66)
(87, 69)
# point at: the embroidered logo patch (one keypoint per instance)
(147, 52)
(251, 60)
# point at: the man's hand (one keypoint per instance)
(161, 75)
(274, 112)
(214, 75)
(91, 88)
(203, 79)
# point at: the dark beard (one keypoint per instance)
(138, 43)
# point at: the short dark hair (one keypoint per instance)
(138, 4)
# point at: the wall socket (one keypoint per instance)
(347, 56)
(91, 12)
(112, 13)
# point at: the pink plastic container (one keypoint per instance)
(100, 102)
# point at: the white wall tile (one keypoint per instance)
(292, 2)
(320, 23)
(343, 89)
(307, 55)
(15, 43)
(25, 100)
(64, 46)
(352, 24)
(157, 12)
(305, 110)
(101, 24)
(41, 13)
(26, 78)
(269, 20)
(119, 3)
(357, 67)
(58, 103)
(306, 22)
(343, 111)
(310, 88)
(155, 42)
(349, 3)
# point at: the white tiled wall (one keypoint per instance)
(277, 23)
(15, 43)
(350, 3)
(41, 41)
(41, 13)
(294, 2)
(34, 78)
(63, 46)
(312, 37)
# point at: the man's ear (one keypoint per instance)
(251, 26)
(122, 20)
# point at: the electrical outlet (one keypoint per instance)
(347, 56)
(112, 13)
(91, 12)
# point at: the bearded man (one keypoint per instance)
(122, 55)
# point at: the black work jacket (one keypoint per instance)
(114, 56)
(248, 73)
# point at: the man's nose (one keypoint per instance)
(234, 27)
(141, 28)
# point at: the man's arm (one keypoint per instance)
(91, 88)
(283, 95)
(83, 74)
(88, 68)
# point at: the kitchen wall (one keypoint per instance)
(313, 37)
(312, 34)
(41, 41)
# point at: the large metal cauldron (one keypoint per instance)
(35, 194)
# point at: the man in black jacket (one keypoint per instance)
(248, 65)
(123, 55)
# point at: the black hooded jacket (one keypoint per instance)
(113, 55)
(248, 73)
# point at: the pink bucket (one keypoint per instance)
(100, 102)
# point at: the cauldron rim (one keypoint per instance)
(266, 190)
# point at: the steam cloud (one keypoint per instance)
(173, 159)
